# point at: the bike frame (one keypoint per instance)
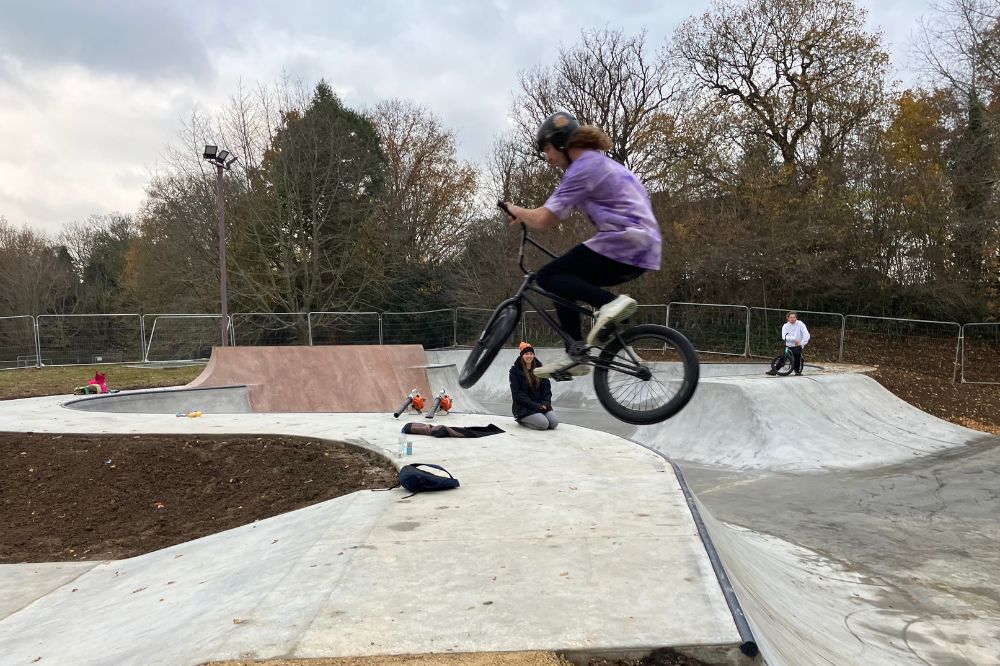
(529, 286)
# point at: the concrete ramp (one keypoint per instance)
(356, 378)
(740, 418)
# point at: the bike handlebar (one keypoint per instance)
(525, 238)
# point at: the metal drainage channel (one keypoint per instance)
(749, 644)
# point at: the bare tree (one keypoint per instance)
(804, 73)
(36, 276)
(959, 46)
(100, 247)
(611, 80)
(429, 195)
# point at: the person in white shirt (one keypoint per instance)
(796, 336)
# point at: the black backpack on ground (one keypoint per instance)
(417, 480)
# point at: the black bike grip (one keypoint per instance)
(502, 205)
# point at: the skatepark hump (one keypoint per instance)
(363, 378)
(325, 379)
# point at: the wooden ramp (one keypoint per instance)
(349, 378)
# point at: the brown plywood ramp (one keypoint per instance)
(349, 378)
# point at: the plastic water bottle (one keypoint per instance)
(403, 444)
(409, 448)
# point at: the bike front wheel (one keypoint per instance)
(783, 364)
(498, 329)
(646, 375)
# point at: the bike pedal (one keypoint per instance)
(562, 377)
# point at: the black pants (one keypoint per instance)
(579, 275)
(796, 358)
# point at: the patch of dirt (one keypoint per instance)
(73, 497)
(975, 406)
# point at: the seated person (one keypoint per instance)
(532, 396)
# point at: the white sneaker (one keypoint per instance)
(617, 310)
(562, 363)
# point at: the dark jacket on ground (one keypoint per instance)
(527, 401)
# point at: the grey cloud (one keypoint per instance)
(144, 40)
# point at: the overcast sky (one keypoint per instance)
(93, 91)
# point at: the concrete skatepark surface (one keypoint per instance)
(855, 529)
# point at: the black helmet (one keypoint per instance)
(557, 130)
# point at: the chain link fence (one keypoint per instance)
(345, 328)
(917, 345)
(970, 353)
(270, 329)
(712, 328)
(981, 353)
(825, 333)
(434, 329)
(182, 337)
(469, 324)
(535, 329)
(89, 338)
(17, 342)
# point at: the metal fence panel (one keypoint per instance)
(434, 329)
(918, 345)
(17, 342)
(981, 353)
(345, 328)
(270, 328)
(89, 338)
(182, 337)
(826, 331)
(469, 324)
(536, 331)
(712, 328)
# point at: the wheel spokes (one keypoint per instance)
(639, 394)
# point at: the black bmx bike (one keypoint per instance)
(643, 374)
(783, 364)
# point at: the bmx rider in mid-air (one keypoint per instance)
(627, 243)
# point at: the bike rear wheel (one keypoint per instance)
(498, 329)
(783, 364)
(667, 369)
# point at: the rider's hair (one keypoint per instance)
(529, 372)
(590, 138)
(790, 313)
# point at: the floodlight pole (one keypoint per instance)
(220, 201)
(222, 161)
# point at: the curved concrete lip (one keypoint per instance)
(213, 399)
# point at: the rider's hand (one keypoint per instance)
(515, 212)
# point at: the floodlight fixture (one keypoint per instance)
(210, 152)
(231, 161)
(223, 154)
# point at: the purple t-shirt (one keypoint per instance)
(616, 203)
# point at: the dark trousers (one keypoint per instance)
(796, 358)
(579, 275)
